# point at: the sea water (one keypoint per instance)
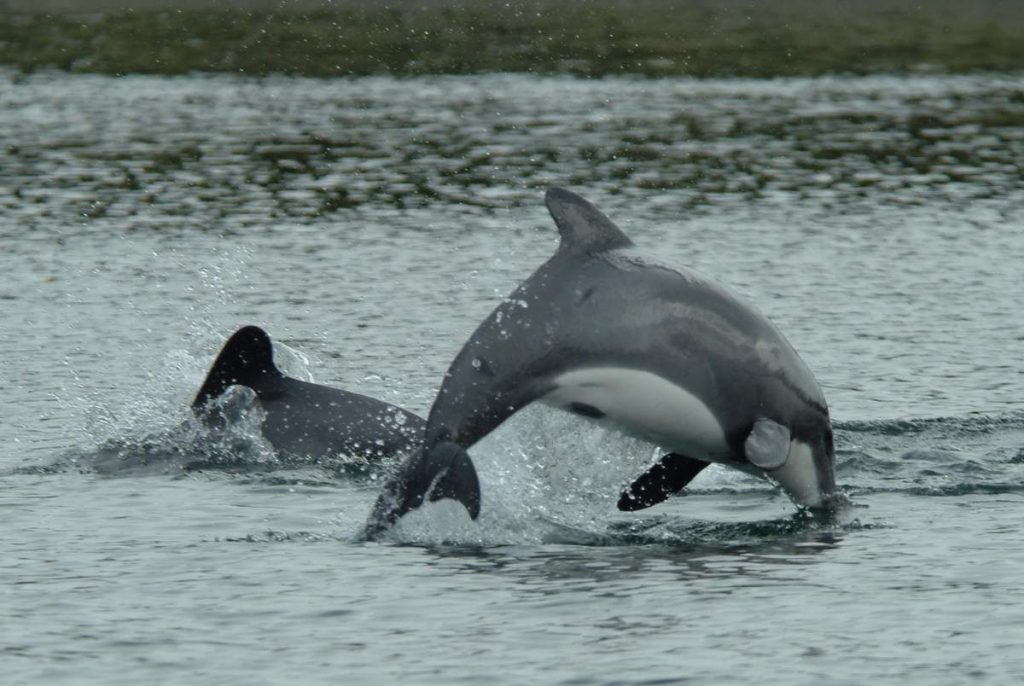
(369, 224)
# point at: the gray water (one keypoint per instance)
(369, 224)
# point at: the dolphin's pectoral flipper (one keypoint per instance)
(442, 471)
(670, 475)
(767, 446)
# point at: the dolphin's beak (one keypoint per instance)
(808, 475)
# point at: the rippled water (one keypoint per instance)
(369, 224)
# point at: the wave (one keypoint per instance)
(551, 479)
(970, 424)
(234, 446)
(944, 456)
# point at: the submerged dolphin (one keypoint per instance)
(305, 419)
(660, 353)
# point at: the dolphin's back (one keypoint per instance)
(304, 419)
(697, 334)
(313, 420)
(614, 310)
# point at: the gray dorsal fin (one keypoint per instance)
(767, 446)
(247, 359)
(583, 227)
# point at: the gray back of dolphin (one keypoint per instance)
(596, 313)
(306, 419)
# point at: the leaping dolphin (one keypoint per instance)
(305, 419)
(660, 353)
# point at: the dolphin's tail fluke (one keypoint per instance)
(442, 471)
(247, 359)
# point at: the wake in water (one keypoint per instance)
(232, 442)
(156, 432)
(548, 477)
(948, 456)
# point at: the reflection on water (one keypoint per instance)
(614, 558)
(150, 152)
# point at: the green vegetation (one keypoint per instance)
(596, 37)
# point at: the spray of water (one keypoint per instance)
(547, 476)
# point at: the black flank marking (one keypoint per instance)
(585, 410)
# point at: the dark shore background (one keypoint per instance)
(649, 37)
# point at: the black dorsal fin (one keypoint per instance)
(247, 359)
(583, 227)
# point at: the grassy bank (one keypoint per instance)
(737, 37)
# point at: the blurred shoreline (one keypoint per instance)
(588, 38)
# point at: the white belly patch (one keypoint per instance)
(643, 405)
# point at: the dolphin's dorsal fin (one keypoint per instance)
(583, 227)
(247, 359)
(767, 446)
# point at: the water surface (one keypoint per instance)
(369, 224)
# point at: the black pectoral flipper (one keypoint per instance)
(669, 476)
(443, 471)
